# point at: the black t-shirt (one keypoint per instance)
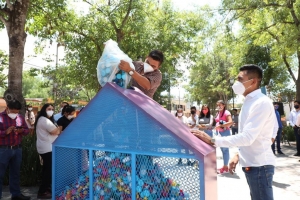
(64, 122)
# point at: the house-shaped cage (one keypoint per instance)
(125, 146)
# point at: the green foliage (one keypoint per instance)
(289, 133)
(34, 86)
(3, 68)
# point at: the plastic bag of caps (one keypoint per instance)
(108, 65)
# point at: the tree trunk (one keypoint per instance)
(15, 27)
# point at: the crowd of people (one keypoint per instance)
(13, 127)
(253, 130)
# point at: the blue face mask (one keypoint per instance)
(276, 107)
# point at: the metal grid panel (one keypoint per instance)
(166, 178)
(112, 175)
(71, 173)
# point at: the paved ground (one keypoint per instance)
(286, 181)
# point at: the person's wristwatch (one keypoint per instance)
(131, 72)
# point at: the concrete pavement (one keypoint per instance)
(286, 181)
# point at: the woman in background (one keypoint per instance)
(67, 118)
(46, 133)
(223, 122)
(206, 120)
(30, 119)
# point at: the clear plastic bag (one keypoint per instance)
(108, 65)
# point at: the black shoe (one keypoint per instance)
(280, 152)
(45, 195)
(20, 197)
(273, 151)
(297, 154)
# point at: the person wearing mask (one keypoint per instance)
(60, 114)
(256, 129)
(67, 118)
(192, 121)
(12, 129)
(30, 119)
(146, 76)
(279, 132)
(295, 113)
(206, 120)
(235, 119)
(223, 122)
(46, 132)
(179, 115)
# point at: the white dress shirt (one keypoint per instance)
(256, 128)
(191, 121)
(294, 117)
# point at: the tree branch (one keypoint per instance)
(127, 15)
(3, 20)
(9, 5)
(288, 67)
(290, 5)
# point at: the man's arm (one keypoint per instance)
(141, 80)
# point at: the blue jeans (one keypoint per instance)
(260, 182)
(209, 132)
(11, 158)
(225, 150)
(234, 130)
(277, 139)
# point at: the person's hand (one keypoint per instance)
(202, 136)
(19, 130)
(233, 162)
(125, 66)
(273, 139)
(9, 130)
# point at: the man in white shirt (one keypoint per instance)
(293, 120)
(192, 121)
(59, 115)
(257, 127)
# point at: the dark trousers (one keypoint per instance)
(297, 136)
(46, 173)
(277, 139)
(11, 158)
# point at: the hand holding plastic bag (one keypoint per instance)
(107, 68)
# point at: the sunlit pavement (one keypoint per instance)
(286, 180)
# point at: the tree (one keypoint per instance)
(13, 15)
(3, 67)
(273, 24)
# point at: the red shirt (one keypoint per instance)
(13, 138)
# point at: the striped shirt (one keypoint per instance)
(13, 138)
(154, 77)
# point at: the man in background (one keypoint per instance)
(279, 132)
(235, 119)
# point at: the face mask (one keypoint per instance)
(13, 115)
(70, 117)
(30, 109)
(276, 107)
(179, 114)
(205, 111)
(193, 112)
(147, 68)
(239, 88)
(49, 112)
(296, 106)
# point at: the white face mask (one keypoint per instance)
(239, 88)
(49, 112)
(179, 114)
(147, 68)
(30, 109)
(70, 116)
(13, 115)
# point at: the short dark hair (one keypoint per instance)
(297, 101)
(193, 107)
(253, 71)
(234, 109)
(14, 104)
(157, 55)
(68, 109)
(275, 103)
